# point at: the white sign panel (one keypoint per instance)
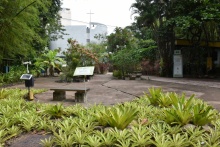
(177, 66)
(80, 71)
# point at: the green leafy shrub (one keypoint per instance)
(117, 74)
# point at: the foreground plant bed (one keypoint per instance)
(150, 121)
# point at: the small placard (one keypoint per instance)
(80, 71)
(26, 77)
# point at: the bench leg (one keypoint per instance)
(79, 97)
(59, 95)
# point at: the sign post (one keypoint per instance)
(177, 64)
(84, 71)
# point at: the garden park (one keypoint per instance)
(125, 105)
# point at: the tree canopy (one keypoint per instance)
(25, 26)
(194, 20)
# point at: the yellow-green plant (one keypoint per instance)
(4, 93)
(159, 128)
(194, 134)
(203, 114)
(29, 122)
(47, 142)
(55, 111)
(108, 139)
(3, 136)
(212, 139)
(64, 140)
(154, 95)
(164, 99)
(94, 140)
(122, 136)
(120, 116)
(42, 124)
(179, 140)
(67, 126)
(79, 137)
(98, 114)
(14, 130)
(141, 136)
(180, 112)
(160, 140)
(85, 126)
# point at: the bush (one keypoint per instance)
(117, 74)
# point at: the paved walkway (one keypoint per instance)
(109, 91)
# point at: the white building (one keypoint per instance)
(65, 14)
(81, 33)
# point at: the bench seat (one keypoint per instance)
(59, 94)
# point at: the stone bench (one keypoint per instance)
(135, 75)
(59, 94)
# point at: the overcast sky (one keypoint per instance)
(108, 12)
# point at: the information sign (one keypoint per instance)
(80, 71)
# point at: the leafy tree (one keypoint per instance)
(121, 37)
(16, 27)
(103, 56)
(189, 19)
(123, 45)
(25, 26)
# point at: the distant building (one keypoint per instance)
(65, 14)
(81, 33)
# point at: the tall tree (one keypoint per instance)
(153, 14)
(187, 18)
(23, 27)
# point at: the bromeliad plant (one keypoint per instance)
(184, 122)
(55, 111)
(117, 116)
(203, 114)
(175, 116)
(184, 111)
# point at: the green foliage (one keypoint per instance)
(154, 95)
(117, 73)
(49, 59)
(212, 139)
(180, 111)
(94, 140)
(120, 117)
(107, 139)
(47, 142)
(126, 60)
(26, 26)
(63, 139)
(141, 136)
(4, 93)
(132, 123)
(13, 75)
(203, 114)
(55, 111)
(121, 38)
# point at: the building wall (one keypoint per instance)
(65, 14)
(79, 34)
